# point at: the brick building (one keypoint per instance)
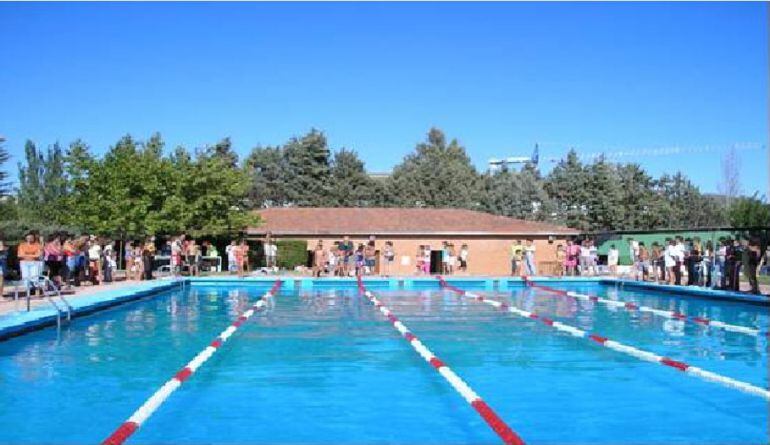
(488, 236)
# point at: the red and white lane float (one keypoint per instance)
(617, 346)
(633, 307)
(497, 424)
(151, 405)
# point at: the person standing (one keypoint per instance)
(30, 254)
(529, 258)
(612, 260)
(444, 257)
(572, 252)
(655, 262)
(370, 258)
(271, 253)
(319, 259)
(679, 251)
(464, 258)
(388, 256)
(585, 256)
(720, 251)
(644, 263)
(245, 252)
(108, 261)
(94, 260)
(670, 260)
(516, 257)
(751, 264)
(452, 259)
(232, 258)
(3, 265)
(148, 257)
(347, 251)
(53, 258)
(735, 255)
(560, 257)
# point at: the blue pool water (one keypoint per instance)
(322, 366)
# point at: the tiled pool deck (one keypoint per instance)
(18, 322)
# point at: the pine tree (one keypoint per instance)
(350, 185)
(5, 186)
(567, 185)
(437, 174)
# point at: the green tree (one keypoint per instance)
(267, 171)
(308, 170)
(436, 174)
(5, 186)
(688, 208)
(749, 211)
(517, 194)
(567, 185)
(350, 184)
(42, 184)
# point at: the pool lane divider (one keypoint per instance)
(136, 420)
(633, 307)
(498, 425)
(617, 346)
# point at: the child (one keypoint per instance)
(389, 255)
(360, 263)
(464, 258)
(418, 259)
(612, 260)
(560, 257)
(426, 260)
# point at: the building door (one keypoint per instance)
(435, 261)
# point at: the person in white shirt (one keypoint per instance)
(679, 257)
(271, 254)
(585, 257)
(232, 256)
(612, 260)
(670, 258)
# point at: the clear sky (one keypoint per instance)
(375, 77)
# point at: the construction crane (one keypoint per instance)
(498, 164)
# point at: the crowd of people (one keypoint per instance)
(70, 260)
(689, 261)
(344, 258)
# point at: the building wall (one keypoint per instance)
(487, 255)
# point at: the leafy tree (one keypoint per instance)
(749, 211)
(517, 194)
(42, 184)
(688, 207)
(437, 174)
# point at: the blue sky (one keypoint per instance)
(375, 77)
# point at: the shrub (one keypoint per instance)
(292, 253)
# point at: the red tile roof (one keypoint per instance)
(313, 221)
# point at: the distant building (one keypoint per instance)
(488, 236)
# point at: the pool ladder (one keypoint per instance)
(52, 293)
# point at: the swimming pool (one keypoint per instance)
(322, 365)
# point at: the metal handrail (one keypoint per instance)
(50, 289)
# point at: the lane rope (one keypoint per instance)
(127, 428)
(617, 346)
(633, 307)
(497, 424)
